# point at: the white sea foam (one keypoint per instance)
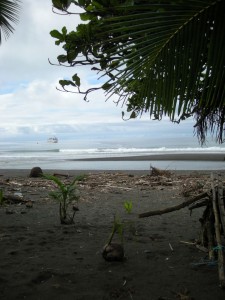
(63, 156)
(142, 150)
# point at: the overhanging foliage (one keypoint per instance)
(160, 57)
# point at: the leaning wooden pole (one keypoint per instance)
(218, 235)
(221, 207)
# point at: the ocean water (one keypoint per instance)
(65, 155)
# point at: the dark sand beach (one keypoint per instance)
(42, 259)
(195, 156)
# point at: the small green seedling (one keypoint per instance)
(114, 251)
(128, 205)
(66, 195)
(117, 228)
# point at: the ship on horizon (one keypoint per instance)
(53, 139)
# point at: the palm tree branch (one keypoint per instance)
(9, 13)
(179, 35)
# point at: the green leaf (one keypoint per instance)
(56, 34)
(66, 82)
(57, 4)
(133, 115)
(86, 16)
(76, 79)
(62, 58)
(61, 4)
(64, 31)
(106, 86)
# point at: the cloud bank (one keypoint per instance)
(32, 108)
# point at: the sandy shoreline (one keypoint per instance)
(42, 259)
(164, 156)
(24, 173)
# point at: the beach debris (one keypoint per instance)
(212, 221)
(219, 215)
(61, 175)
(171, 248)
(158, 172)
(36, 172)
(192, 186)
(29, 204)
(13, 198)
(196, 244)
(173, 208)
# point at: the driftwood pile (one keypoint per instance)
(212, 221)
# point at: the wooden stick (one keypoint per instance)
(59, 174)
(218, 236)
(201, 203)
(173, 208)
(210, 236)
(221, 207)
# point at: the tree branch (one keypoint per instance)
(173, 208)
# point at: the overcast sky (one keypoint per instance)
(31, 107)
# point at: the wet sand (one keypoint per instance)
(167, 156)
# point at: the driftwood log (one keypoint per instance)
(217, 215)
(212, 221)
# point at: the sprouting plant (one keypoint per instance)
(2, 200)
(117, 228)
(65, 195)
(128, 205)
(114, 251)
(130, 224)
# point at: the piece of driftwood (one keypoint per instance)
(201, 203)
(158, 172)
(219, 247)
(173, 208)
(61, 175)
(210, 230)
(207, 235)
(114, 187)
(221, 205)
(212, 222)
(13, 198)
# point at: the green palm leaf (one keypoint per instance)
(9, 13)
(174, 50)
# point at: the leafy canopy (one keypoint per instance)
(161, 57)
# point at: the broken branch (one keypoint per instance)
(173, 208)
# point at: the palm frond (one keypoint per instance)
(9, 13)
(176, 50)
